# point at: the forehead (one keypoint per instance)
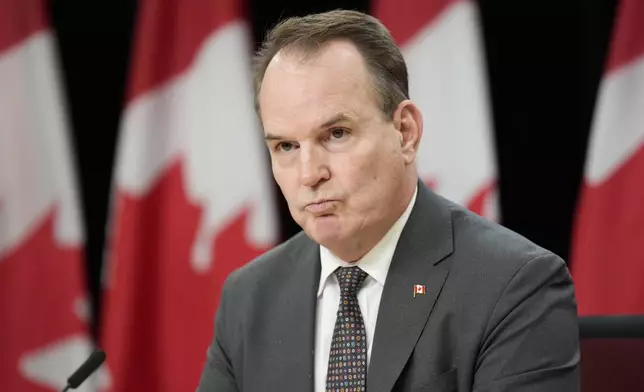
(299, 91)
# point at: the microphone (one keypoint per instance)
(85, 370)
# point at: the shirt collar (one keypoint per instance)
(376, 262)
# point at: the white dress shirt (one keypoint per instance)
(376, 264)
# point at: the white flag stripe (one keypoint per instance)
(42, 275)
(189, 178)
(206, 118)
(619, 124)
(35, 158)
(448, 82)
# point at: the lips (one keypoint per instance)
(321, 206)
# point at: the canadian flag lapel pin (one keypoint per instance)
(419, 289)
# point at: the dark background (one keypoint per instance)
(544, 58)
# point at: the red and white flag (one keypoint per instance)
(607, 260)
(44, 333)
(441, 43)
(192, 193)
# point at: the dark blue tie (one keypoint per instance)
(347, 371)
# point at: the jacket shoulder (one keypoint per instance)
(489, 246)
(489, 257)
(271, 263)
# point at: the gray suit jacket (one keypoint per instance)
(499, 314)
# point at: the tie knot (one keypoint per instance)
(350, 279)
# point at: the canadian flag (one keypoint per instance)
(44, 332)
(447, 80)
(607, 260)
(192, 192)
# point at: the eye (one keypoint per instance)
(284, 146)
(337, 133)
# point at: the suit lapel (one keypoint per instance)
(298, 309)
(424, 242)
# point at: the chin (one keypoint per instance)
(326, 239)
(326, 231)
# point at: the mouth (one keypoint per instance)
(321, 207)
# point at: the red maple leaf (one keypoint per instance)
(39, 284)
(160, 311)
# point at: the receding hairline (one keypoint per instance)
(307, 35)
(305, 52)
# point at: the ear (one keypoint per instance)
(409, 123)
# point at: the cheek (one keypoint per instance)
(375, 171)
(360, 173)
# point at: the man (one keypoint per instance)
(389, 287)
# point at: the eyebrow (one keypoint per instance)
(340, 117)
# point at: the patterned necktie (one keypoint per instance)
(347, 371)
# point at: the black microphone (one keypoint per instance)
(85, 370)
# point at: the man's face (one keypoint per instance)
(338, 162)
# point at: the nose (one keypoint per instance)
(313, 166)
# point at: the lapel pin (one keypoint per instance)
(419, 289)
